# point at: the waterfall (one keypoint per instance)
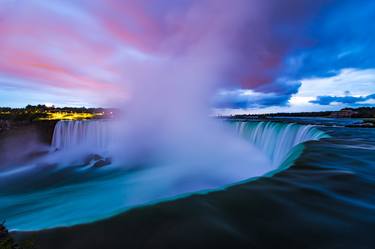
(277, 140)
(94, 135)
(69, 195)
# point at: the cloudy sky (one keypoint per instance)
(290, 55)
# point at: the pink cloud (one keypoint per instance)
(80, 45)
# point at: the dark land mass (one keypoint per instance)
(7, 241)
(21, 142)
(364, 115)
(362, 112)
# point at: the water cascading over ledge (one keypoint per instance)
(70, 190)
(276, 140)
(86, 133)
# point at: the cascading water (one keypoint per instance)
(75, 134)
(70, 189)
(277, 140)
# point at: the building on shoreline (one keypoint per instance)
(344, 113)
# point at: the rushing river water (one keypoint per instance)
(325, 199)
(69, 190)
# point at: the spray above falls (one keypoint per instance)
(275, 140)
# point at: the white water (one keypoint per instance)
(277, 140)
(78, 134)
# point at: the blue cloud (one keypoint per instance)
(337, 36)
(246, 98)
(244, 102)
(342, 36)
(351, 100)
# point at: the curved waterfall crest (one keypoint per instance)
(276, 139)
(84, 147)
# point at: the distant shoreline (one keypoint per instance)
(10, 117)
(32, 113)
(361, 112)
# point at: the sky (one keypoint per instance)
(275, 56)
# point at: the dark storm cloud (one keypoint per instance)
(242, 99)
(303, 39)
(342, 37)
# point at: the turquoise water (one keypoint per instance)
(49, 196)
(278, 140)
(324, 200)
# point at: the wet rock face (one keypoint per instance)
(97, 161)
(103, 162)
(92, 158)
(21, 143)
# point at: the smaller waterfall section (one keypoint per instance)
(86, 134)
(276, 139)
